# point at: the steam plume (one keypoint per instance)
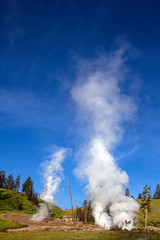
(104, 108)
(52, 174)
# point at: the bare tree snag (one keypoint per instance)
(70, 197)
(146, 218)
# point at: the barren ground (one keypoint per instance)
(54, 225)
(48, 224)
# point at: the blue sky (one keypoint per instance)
(42, 44)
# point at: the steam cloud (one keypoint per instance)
(104, 108)
(52, 174)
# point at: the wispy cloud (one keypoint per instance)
(25, 108)
(126, 154)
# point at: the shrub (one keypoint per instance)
(18, 205)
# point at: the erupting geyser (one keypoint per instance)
(52, 174)
(104, 108)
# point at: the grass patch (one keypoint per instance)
(58, 212)
(109, 235)
(9, 224)
(153, 217)
(9, 200)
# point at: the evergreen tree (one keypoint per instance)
(17, 183)
(146, 202)
(157, 192)
(2, 179)
(140, 196)
(79, 214)
(34, 199)
(18, 205)
(10, 183)
(27, 187)
(85, 213)
(90, 215)
(85, 208)
(127, 192)
(89, 211)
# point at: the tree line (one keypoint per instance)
(145, 200)
(156, 195)
(10, 183)
(84, 213)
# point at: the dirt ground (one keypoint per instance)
(55, 225)
(48, 224)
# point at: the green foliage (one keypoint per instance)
(18, 204)
(90, 215)
(84, 213)
(8, 224)
(11, 201)
(157, 192)
(140, 196)
(34, 199)
(85, 210)
(146, 199)
(17, 183)
(27, 187)
(10, 185)
(150, 221)
(57, 212)
(2, 179)
(153, 217)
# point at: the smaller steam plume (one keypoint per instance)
(42, 213)
(52, 175)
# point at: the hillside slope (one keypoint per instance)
(153, 217)
(10, 202)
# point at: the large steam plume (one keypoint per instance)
(104, 108)
(52, 174)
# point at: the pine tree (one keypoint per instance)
(90, 215)
(17, 183)
(10, 183)
(89, 211)
(27, 187)
(127, 192)
(34, 199)
(146, 202)
(140, 196)
(79, 214)
(85, 207)
(157, 192)
(2, 179)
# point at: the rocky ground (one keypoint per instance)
(54, 225)
(48, 224)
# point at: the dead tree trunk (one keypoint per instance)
(146, 218)
(76, 220)
(70, 197)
